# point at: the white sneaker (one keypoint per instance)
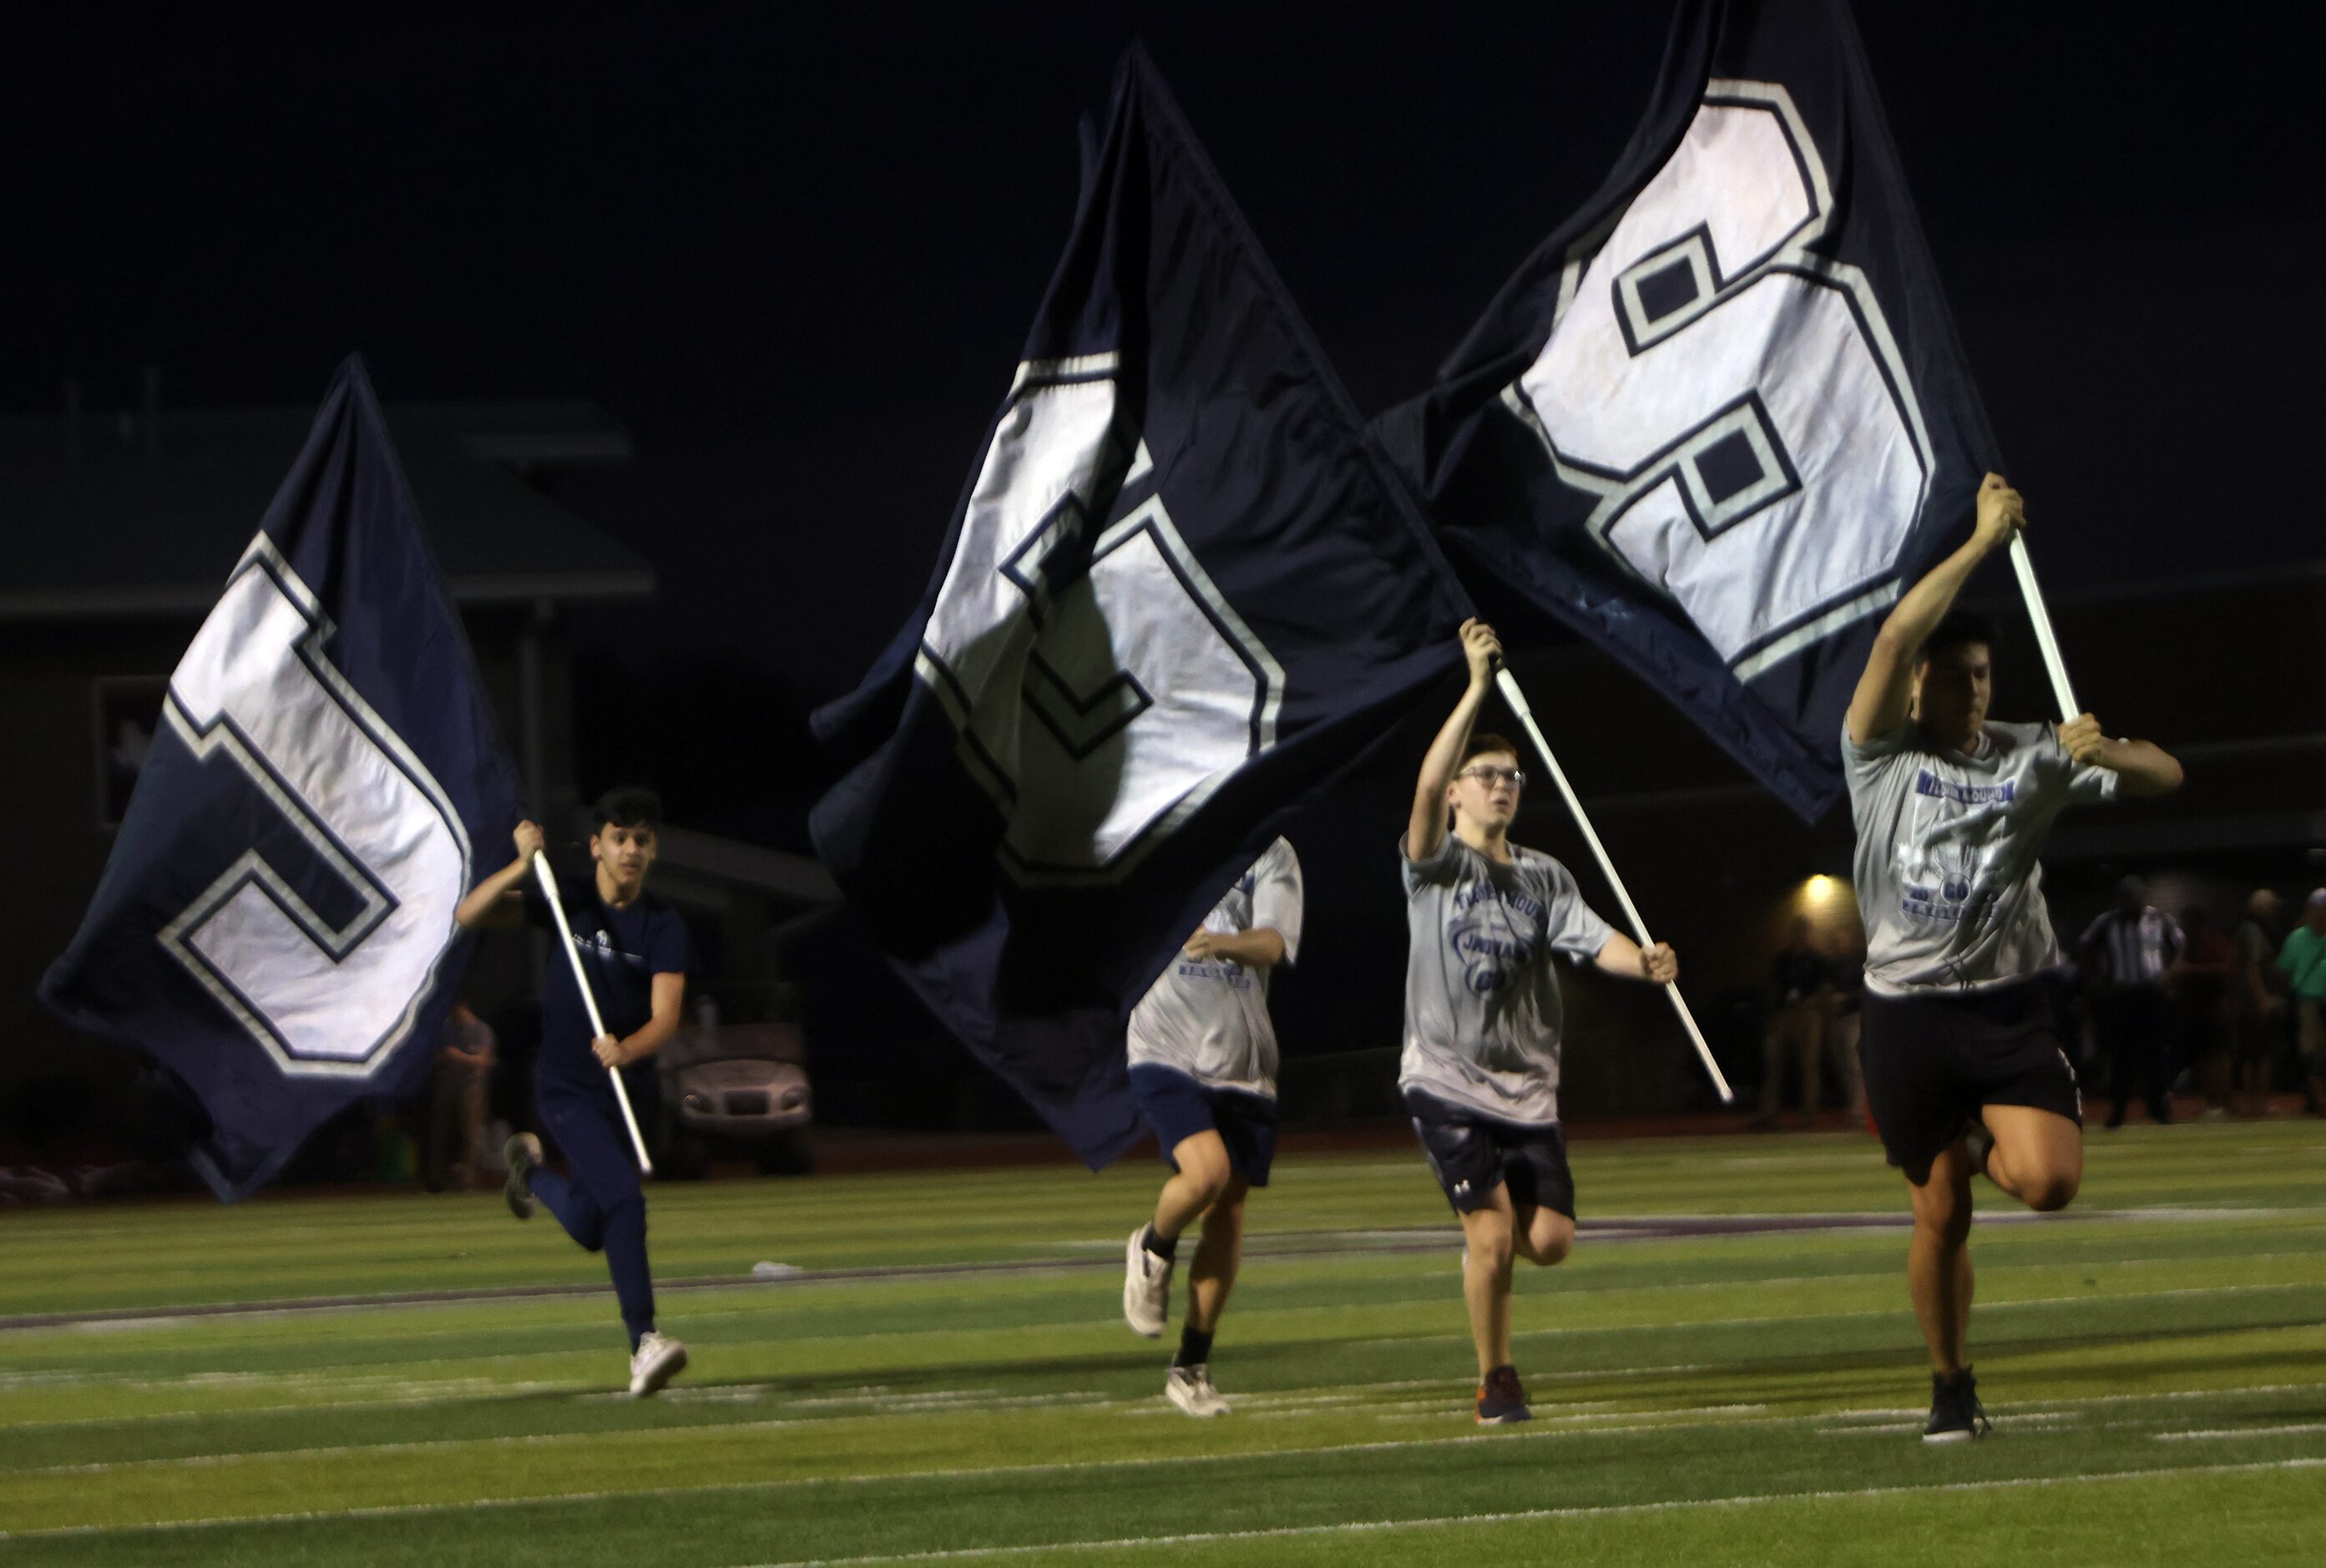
(1190, 1388)
(1146, 1287)
(659, 1359)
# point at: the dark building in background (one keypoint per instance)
(123, 528)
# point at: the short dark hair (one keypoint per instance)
(628, 805)
(1480, 744)
(1960, 629)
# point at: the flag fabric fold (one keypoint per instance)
(275, 924)
(1182, 590)
(1720, 417)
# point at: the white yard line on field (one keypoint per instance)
(367, 1378)
(1986, 1308)
(1573, 1422)
(1525, 1515)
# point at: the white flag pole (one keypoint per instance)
(1509, 688)
(548, 880)
(2042, 618)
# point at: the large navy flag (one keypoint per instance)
(1182, 590)
(275, 923)
(1720, 419)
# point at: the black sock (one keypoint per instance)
(1165, 1250)
(1195, 1347)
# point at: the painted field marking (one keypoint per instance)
(1608, 1510)
(1577, 1422)
(400, 1510)
(1663, 1227)
(1985, 1308)
(2236, 1431)
(365, 1371)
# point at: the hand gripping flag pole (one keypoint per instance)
(1509, 688)
(2053, 664)
(548, 880)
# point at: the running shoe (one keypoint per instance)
(1190, 1388)
(521, 1153)
(659, 1359)
(1979, 1143)
(1501, 1400)
(1956, 1414)
(1146, 1287)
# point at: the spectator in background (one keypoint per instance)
(2253, 1007)
(1801, 982)
(2127, 951)
(2304, 961)
(456, 1118)
(2200, 987)
(1845, 963)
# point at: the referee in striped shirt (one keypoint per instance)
(2127, 950)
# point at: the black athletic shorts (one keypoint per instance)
(1178, 1107)
(1473, 1154)
(1933, 1059)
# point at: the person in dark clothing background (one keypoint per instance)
(2127, 951)
(1801, 982)
(2201, 1017)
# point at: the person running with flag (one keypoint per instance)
(1202, 1069)
(1965, 1069)
(1483, 1020)
(636, 950)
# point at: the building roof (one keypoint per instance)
(125, 521)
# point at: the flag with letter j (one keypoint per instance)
(1719, 420)
(274, 925)
(1181, 592)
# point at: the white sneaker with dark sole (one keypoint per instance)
(659, 1359)
(1146, 1287)
(1190, 1388)
(521, 1153)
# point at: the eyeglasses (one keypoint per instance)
(1490, 777)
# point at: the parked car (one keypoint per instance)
(736, 1091)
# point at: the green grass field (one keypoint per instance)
(950, 1377)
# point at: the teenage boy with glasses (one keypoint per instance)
(1480, 1070)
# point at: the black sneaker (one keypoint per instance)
(522, 1152)
(1956, 1414)
(1501, 1400)
(1980, 1144)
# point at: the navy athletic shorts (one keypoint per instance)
(1178, 1107)
(1473, 1154)
(1933, 1059)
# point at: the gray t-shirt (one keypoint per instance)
(1947, 877)
(1482, 1009)
(1208, 1017)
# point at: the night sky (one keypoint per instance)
(797, 258)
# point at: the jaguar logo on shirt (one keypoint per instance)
(1493, 953)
